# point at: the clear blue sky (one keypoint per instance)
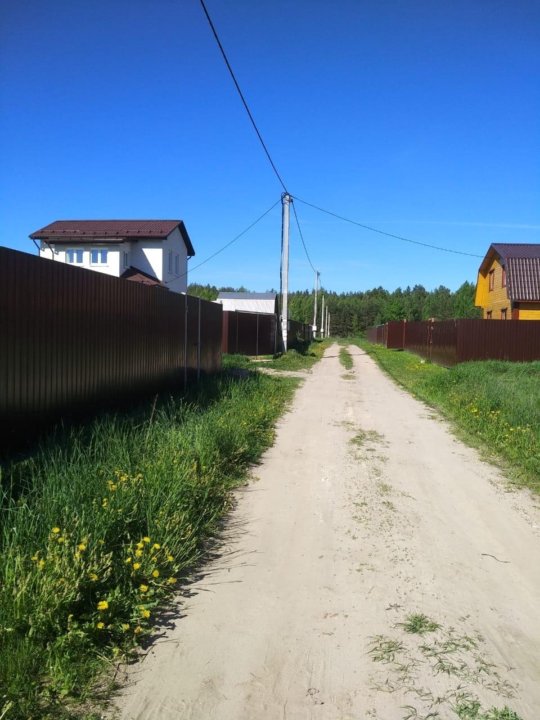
(419, 117)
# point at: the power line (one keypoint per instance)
(211, 257)
(302, 238)
(274, 168)
(382, 232)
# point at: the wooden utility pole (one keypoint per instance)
(285, 200)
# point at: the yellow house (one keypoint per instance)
(508, 285)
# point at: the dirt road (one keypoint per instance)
(367, 518)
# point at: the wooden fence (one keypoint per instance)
(73, 338)
(448, 342)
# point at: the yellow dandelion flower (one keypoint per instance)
(41, 564)
(138, 553)
(125, 627)
(145, 613)
(143, 588)
(136, 565)
(138, 630)
(140, 545)
(102, 605)
(81, 547)
(35, 557)
(55, 530)
(171, 581)
(93, 577)
(127, 560)
(155, 573)
(146, 539)
(61, 540)
(170, 558)
(156, 546)
(100, 625)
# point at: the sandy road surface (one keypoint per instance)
(365, 511)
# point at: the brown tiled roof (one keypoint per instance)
(132, 273)
(74, 231)
(523, 278)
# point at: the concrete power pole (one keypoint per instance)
(329, 318)
(327, 324)
(317, 274)
(285, 200)
(322, 317)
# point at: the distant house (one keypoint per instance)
(153, 252)
(249, 302)
(508, 286)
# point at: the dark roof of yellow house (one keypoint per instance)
(522, 264)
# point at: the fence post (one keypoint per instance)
(199, 345)
(257, 338)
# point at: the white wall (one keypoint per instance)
(114, 257)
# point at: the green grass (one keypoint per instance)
(494, 405)
(100, 523)
(302, 359)
(345, 358)
(419, 624)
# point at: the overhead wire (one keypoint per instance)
(382, 232)
(211, 257)
(244, 101)
(302, 237)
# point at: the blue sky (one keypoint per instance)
(420, 118)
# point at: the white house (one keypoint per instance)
(249, 302)
(154, 252)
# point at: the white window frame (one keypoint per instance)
(76, 253)
(100, 262)
(125, 259)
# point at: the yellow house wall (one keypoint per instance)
(493, 300)
(529, 311)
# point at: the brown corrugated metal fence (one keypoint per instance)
(248, 333)
(71, 337)
(448, 342)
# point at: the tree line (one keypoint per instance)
(353, 312)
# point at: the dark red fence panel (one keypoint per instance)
(71, 338)
(448, 342)
(513, 340)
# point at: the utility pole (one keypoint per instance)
(327, 322)
(322, 317)
(285, 200)
(329, 316)
(317, 274)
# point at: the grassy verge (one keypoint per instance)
(298, 359)
(493, 404)
(99, 524)
(345, 358)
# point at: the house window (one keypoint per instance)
(503, 277)
(177, 264)
(170, 262)
(491, 279)
(98, 256)
(489, 315)
(125, 260)
(504, 314)
(74, 257)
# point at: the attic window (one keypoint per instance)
(491, 279)
(503, 277)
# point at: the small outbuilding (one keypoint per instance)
(262, 303)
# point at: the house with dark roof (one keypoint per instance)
(265, 303)
(152, 252)
(508, 286)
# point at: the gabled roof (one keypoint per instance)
(79, 231)
(136, 275)
(522, 263)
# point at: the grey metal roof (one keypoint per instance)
(246, 296)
